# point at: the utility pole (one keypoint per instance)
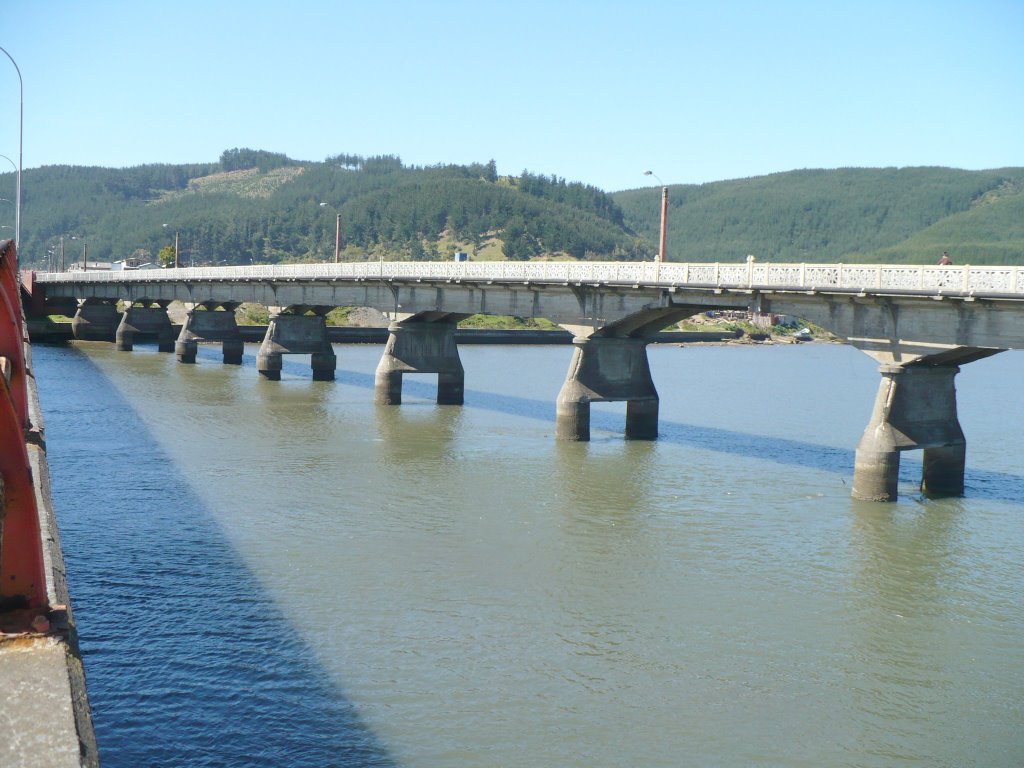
(664, 216)
(337, 238)
(664, 223)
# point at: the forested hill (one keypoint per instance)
(263, 207)
(888, 215)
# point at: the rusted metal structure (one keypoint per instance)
(22, 577)
(44, 707)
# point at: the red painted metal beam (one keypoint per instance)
(22, 572)
(33, 294)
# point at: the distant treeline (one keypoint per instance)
(257, 206)
(849, 214)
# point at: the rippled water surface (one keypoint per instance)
(282, 573)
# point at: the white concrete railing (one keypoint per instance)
(978, 280)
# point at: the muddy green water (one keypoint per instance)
(282, 573)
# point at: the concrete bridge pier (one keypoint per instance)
(915, 408)
(608, 369)
(421, 346)
(146, 320)
(95, 320)
(293, 332)
(205, 323)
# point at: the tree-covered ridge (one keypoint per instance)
(244, 159)
(575, 194)
(255, 206)
(472, 209)
(848, 214)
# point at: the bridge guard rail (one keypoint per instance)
(22, 566)
(997, 281)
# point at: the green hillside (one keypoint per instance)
(850, 214)
(261, 207)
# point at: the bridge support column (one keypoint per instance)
(95, 320)
(296, 334)
(915, 408)
(207, 324)
(608, 369)
(420, 347)
(145, 321)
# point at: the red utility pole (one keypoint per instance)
(664, 215)
(664, 223)
(337, 238)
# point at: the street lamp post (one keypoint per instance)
(85, 252)
(56, 253)
(337, 233)
(52, 255)
(21, 124)
(177, 263)
(13, 204)
(664, 215)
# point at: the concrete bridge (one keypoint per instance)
(920, 323)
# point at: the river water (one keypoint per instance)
(283, 574)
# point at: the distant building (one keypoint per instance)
(130, 263)
(106, 266)
(89, 266)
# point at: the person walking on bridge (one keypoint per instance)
(945, 261)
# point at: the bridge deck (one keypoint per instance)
(988, 281)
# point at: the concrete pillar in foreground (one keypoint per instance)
(296, 334)
(207, 324)
(96, 320)
(420, 347)
(915, 408)
(148, 321)
(608, 369)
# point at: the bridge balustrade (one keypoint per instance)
(979, 280)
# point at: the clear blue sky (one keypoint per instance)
(591, 91)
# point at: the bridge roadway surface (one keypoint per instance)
(920, 323)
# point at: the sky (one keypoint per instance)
(593, 91)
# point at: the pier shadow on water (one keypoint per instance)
(980, 483)
(189, 662)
